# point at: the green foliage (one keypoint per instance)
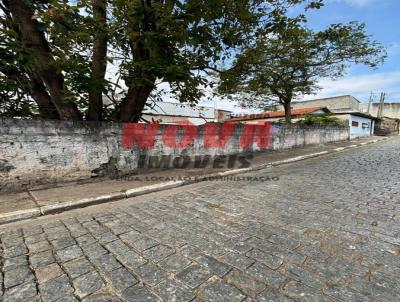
(325, 119)
(279, 122)
(289, 62)
(178, 42)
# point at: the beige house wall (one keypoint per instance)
(335, 104)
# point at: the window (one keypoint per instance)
(365, 125)
(354, 124)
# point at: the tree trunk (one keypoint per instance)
(288, 111)
(38, 92)
(43, 63)
(131, 107)
(133, 104)
(99, 61)
(33, 85)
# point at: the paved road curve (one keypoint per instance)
(328, 230)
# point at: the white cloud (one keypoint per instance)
(356, 3)
(361, 86)
(358, 86)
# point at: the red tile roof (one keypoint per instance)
(275, 114)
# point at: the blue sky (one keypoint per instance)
(383, 23)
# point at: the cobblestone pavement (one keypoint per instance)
(328, 230)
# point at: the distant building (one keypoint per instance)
(273, 116)
(387, 126)
(352, 110)
(390, 110)
(360, 124)
(171, 113)
(343, 103)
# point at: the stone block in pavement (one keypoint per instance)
(23, 292)
(55, 289)
(38, 247)
(120, 279)
(158, 252)
(217, 267)
(266, 275)
(272, 295)
(101, 297)
(247, 284)
(41, 259)
(85, 239)
(12, 263)
(138, 241)
(301, 292)
(171, 291)
(87, 284)
(63, 242)
(78, 267)
(105, 262)
(93, 250)
(139, 293)
(150, 274)
(69, 253)
(194, 275)
(269, 260)
(68, 298)
(237, 260)
(107, 238)
(174, 263)
(221, 291)
(14, 251)
(32, 230)
(48, 272)
(19, 275)
(117, 247)
(131, 259)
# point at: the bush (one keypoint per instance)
(325, 119)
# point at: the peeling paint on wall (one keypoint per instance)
(5, 166)
(46, 152)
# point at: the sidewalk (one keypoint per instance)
(38, 202)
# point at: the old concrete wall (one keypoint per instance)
(391, 110)
(36, 152)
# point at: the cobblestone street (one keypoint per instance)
(327, 230)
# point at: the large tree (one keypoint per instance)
(289, 62)
(63, 57)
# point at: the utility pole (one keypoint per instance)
(381, 104)
(371, 98)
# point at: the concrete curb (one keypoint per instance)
(19, 215)
(298, 158)
(233, 172)
(80, 203)
(64, 206)
(153, 188)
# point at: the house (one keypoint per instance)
(170, 113)
(387, 126)
(361, 124)
(273, 116)
(347, 109)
